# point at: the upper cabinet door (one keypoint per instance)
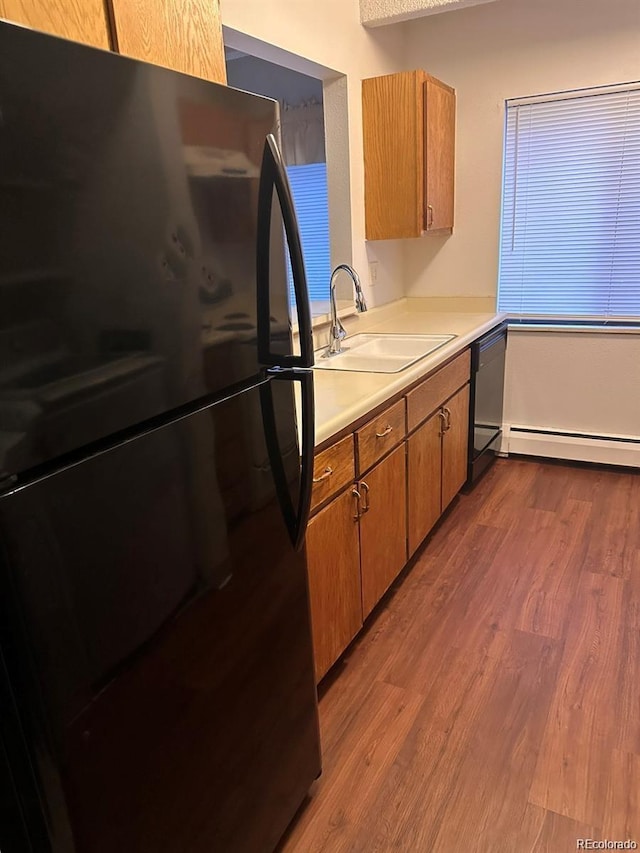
(185, 35)
(440, 142)
(408, 122)
(393, 155)
(78, 20)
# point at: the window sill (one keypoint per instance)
(590, 326)
(320, 315)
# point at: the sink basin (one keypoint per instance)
(382, 353)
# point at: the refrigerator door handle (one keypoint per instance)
(273, 174)
(295, 518)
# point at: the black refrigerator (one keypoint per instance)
(157, 690)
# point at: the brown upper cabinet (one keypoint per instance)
(185, 35)
(77, 20)
(409, 155)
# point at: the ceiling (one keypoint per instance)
(377, 13)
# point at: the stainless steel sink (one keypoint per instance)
(381, 353)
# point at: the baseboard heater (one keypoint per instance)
(576, 446)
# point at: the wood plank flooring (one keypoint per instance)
(492, 703)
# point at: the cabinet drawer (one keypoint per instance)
(426, 398)
(332, 469)
(380, 435)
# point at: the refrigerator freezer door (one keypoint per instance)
(158, 640)
(128, 233)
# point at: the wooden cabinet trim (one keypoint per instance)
(380, 435)
(333, 469)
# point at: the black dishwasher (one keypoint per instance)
(485, 404)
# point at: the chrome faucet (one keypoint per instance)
(337, 331)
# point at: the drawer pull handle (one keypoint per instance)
(443, 418)
(448, 414)
(365, 503)
(386, 431)
(356, 494)
(328, 471)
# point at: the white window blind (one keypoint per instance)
(570, 240)
(309, 190)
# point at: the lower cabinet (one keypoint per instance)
(356, 547)
(383, 527)
(333, 558)
(455, 442)
(424, 467)
(385, 493)
(437, 465)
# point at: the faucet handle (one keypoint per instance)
(361, 304)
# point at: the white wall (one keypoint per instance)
(555, 381)
(574, 382)
(490, 53)
(329, 33)
(273, 81)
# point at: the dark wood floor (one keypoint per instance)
(493, 703)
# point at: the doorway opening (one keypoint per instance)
(314, 138)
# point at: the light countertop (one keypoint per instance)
(342, 397)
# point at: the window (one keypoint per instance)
(309, 190)
(570, 240)
(301, 98)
